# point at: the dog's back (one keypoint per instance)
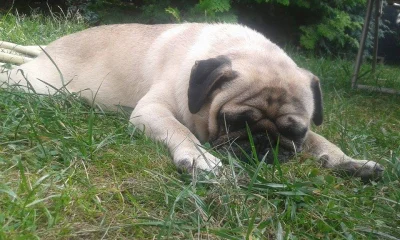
(126, 60)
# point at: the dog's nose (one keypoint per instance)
(291, 127)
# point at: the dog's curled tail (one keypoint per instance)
(12, 55)
(16, 54)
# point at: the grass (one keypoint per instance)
(37, 29)
(68, 171)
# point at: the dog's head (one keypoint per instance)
(273, 98)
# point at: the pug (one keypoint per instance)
(193, 83)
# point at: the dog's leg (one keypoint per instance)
(332, 157)
(160, 124)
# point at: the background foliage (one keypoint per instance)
(323, 26)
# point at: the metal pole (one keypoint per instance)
(378, 10)
(362, 43)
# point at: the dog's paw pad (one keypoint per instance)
(378, 168)
(184, 164)
(366, 170)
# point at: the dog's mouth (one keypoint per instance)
(245, 147)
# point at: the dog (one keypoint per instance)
(193, 83)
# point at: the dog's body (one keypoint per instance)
(194, 83)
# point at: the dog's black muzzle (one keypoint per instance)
(243, 147)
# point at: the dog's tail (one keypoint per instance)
(13, 55)
(16, 54)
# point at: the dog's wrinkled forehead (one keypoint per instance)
(272, 101)
(286, 92)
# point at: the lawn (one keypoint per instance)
(69, 171)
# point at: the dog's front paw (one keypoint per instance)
(188, 161)
(365, 169)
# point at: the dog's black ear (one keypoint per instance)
(318, 107)
(205, 77)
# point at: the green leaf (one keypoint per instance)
(292, 193)
(283, 2)
(174, 12)
(42, 200)
(10, 192)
